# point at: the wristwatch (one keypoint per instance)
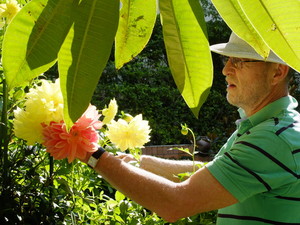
(92, 162)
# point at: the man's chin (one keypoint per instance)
(231, 101)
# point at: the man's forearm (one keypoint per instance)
(150, 190)
(166, 167)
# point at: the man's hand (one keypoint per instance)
(126, 157)
(88, 155)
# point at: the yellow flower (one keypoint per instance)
(110, 112)
(9, 9)
(44, 104)
(129, 135)
(47, 99)
(28, 126)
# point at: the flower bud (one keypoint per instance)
(184, 129)
(127, 117)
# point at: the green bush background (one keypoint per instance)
(35, 189)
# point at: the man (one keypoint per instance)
(254, 179)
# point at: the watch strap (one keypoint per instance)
(93, 160)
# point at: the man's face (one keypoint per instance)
(249, 85)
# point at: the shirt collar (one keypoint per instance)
(269, 111)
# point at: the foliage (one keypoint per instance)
(42, 191)
(263, 25)
(82, 32)
(146, 86)
(135, 27)
(187, 47)
(82, 50)
(34, 189)
(63, 194)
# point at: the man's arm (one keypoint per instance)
(167, 168)
(170, 200)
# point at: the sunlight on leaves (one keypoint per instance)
(237, 20)
(85, 52)
(280, 26)
(188, 51)
(137, 19)
(32, 50)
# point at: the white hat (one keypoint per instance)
(236, 47)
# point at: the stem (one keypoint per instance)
(51, 169)
(194, 149)
(4, 135)
(3, 130)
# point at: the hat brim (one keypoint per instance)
(234, 50)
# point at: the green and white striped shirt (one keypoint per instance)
(260, 166)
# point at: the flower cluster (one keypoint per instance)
(41, 121)
(8, 10)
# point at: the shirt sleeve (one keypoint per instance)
(256, 163)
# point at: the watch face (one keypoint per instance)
(92, 161)
(95, 157)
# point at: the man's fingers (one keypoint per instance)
(126, 157)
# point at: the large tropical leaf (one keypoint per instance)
(137, 19)
(278, 23)
(85, 52)
(234, 16)
(33, 39)
(187, 48)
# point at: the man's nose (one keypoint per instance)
(226, 68)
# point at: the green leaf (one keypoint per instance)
(137, 19)
(186, 150)
(234, 16)
(278, 23)
(33, 39)
(85, 52)
(187, 48)
(119, 196)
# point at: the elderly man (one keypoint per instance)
(254, 179)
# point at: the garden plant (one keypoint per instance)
(54, 106)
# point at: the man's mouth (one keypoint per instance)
(230, 85)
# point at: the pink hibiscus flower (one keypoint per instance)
(82, 137)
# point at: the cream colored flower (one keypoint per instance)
(9, 9)
(110, 112)
(129, 135)
(43, 104)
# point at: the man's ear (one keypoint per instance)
(280, 73)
